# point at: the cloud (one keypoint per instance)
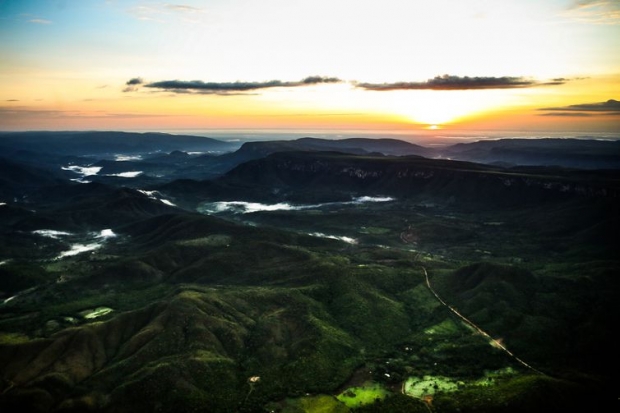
(595, 11)
(166, 12)
(182, 8)
(610, 107)
(132, 84)
(449, 82)
(225, 88)
(312, 80)
(40, 21)
(567, 114)
(24, 112)
(445, 82)
(120, 115)
(12, 100)
(135, 81)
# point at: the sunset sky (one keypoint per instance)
(403, 65)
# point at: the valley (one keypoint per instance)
(307, 276)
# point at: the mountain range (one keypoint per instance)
(308, 275)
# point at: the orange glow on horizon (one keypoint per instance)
(336, 107)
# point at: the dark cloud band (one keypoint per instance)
(448, 82)
(198, 86)
(608, 108)
(445, 82)
(135, 81)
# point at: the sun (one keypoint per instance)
(430, 108)
(435, 110)
(433, 114)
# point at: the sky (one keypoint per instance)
(414, 66)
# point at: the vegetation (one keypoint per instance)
(182, 311)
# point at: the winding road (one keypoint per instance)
(492, 341)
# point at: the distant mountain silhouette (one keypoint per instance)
(360, 146)
(93, 143)
(572, 153)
